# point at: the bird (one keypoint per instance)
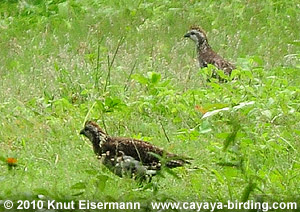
(205, 53)
(124, 165)
(128, 155)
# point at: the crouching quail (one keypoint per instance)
(128, 156)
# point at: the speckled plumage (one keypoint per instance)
(137, 154)
(205, 53)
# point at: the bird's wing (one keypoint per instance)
(145, 152)
(219, 62)
(137, 149)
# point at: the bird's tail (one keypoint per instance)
(177, 161)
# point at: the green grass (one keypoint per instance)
(54, 70)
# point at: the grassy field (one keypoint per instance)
(126, 64)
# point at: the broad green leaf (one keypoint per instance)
(79, 185)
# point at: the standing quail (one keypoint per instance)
(205, 53)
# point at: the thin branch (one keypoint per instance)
(88, 113)
(107, 80)
(103, 123)
(129, 76)
(117, 49)
(110, 64)
(97, 75)
(163, 128)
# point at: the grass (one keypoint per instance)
(128, 65)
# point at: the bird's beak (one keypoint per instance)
(187, 35)
(81, 132)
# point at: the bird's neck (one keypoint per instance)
(97, 141)
(204, 47)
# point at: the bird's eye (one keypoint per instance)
(192, 33)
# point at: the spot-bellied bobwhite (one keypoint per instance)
(123, 155)
(205, 53)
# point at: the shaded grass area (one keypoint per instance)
(57, 64)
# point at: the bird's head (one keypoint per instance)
(94, 133)
(197, 35)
